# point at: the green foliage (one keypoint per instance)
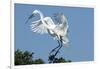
(52, 59)
(61, 60)
(23, 58)
(38, 61)
(26, 58)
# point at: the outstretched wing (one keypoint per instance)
(64, 23)
(38, 27)
(63, 26)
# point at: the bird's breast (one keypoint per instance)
(60, 32)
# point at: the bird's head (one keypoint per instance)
(34, 13)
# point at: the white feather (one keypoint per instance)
(47, 26)
(38, 27)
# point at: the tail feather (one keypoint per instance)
(65, 41)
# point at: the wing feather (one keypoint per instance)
(38, 27)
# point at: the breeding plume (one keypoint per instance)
(46, 25)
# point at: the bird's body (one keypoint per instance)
(59, 31)
(47, 26)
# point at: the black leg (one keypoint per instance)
(57, 50)
(57, 53)
(56, 47)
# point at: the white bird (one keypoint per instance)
(47, 26)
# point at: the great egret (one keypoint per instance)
(45, 25)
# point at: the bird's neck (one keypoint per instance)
(42, 18)
(41, 15)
